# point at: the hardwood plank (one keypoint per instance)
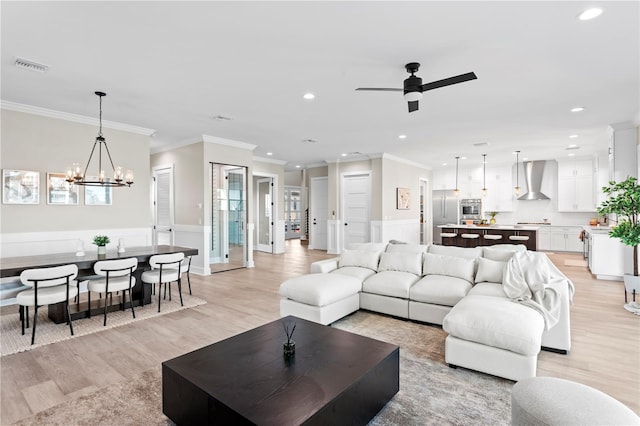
(605, 338)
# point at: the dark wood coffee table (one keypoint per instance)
(335, 377)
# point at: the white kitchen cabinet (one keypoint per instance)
(565, 238)
(444, 179)
(623, 139)
(606, 256)
(544, 238)
(576, 186)
(470, 181)
(500, 192)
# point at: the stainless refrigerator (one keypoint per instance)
(446, 210)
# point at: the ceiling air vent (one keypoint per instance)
(309, 141)
(30, 65)
(221, 118)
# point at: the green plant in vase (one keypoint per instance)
(101, 241)
(492, 221)
(623, 200)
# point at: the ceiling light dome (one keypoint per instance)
(412, 96)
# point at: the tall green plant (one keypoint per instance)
(624, 201)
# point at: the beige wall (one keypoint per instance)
(188, 180)
(44, 144)
(398, 174)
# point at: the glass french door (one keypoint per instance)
(228, 217)
(292, 212)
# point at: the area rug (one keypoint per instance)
(430, 392)
(12, 341)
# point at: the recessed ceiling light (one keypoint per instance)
(402, 137)
(573, 136)
(588, 14)
(344, 154)
(444, 164)
(577, 109)
(297, 166)
(573, 145)
(309, 96)
(571, 154)
(463, 158)
(269, 153)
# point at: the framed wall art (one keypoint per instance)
(403, 198)
(97, 195)
(61, 192)
(20, 187)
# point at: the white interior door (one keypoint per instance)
(318, 216)
(264, 224)
(356, 199)
(163, 205)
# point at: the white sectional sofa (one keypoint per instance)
(459, 288)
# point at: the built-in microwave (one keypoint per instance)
(471, 208)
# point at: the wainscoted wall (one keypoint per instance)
(407, 231)
(195, 236)
(36, 243)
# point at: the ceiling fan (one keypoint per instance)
(413, 86)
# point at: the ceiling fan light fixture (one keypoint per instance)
(589, 14)
(412, 96)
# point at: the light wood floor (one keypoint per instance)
(605, 352)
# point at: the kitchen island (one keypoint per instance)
(487, 235)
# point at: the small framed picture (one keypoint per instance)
(97, 195)
(61, 192)
(403, 198)
(20, 187)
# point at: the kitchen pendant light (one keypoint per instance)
(456, 191)
(517, 188)
(484, 175)
(76, 176)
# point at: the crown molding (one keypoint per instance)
(269, 160)
(29, 109)
(228, 142)
(386, 156)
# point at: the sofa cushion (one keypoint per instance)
(407, 248)
(379, 247)
(469, 253)
(497, 322)
(488, 289)
(404, 262)
(497, 254)
(355, 272)
(439, 290)
(363, 258)
(490, 271)
(319, 289)
(390, 283)
(452, 266)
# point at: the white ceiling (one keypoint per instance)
(172, 66)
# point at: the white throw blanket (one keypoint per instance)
(527, 280)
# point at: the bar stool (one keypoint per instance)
(470, 240)
(519, 237)
(448, 238)
(491, 239)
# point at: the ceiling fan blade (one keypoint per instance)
(380, 89)
(449, 81)
(413, 106)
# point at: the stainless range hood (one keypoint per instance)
(533, 172)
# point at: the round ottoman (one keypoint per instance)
(552, 401)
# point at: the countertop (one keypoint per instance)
(496, 227)
(596, 229)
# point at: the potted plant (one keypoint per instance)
(492, 221)
(624, 201)
(101, 241)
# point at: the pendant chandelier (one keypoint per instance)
(484, 175)
(76, 176)
(456, 191)
(517, 188)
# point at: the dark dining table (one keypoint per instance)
(13, 266)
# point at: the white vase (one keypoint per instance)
(102, 249)
(631, 285)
